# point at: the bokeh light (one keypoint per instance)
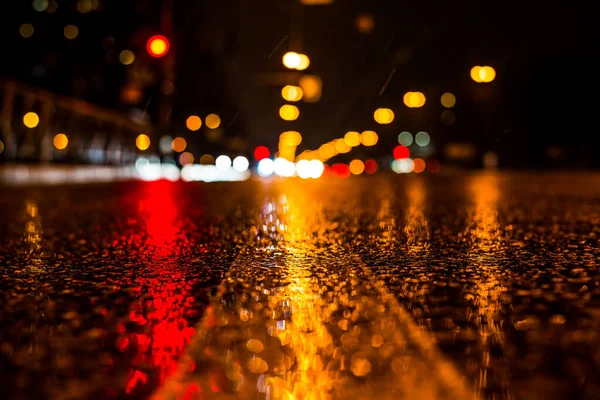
(357, 167)
(448, 117)
(448, 100)
(433, 166)
(483, 74)
(383, 116)
(241, 164)
(261, 152)
(352, 138)
(371, 166)
(405, 138)
(422, 138)
(60, 141)
(84, 6)
(289, 112)
(186, 158)
(157, 46)
(126, 57)
(283, 167)
(207, 159)
(365, 23)
(291, 60)
(414, 99)
(341, 146)
(39, 5)
(213, 121)
(71, 32)
(369, 138)
(292, 93)
(31, 120)
(178, 144)
(26, 30)
(419, 165)
(142, 142)
(193, 123)
(1, 146)
(304, 62)
(311, 87)
(223, 162)
(265, 167)
(290, 138)
(164, 144)
(401, 152)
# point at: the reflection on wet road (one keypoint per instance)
(481, 286)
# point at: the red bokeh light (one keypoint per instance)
(371, 166)
(433, 166)
(340, 170)
(261, 152)
(401, 152)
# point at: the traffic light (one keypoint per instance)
(157, 46)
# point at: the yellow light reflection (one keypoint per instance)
(416, 227)
(486, 240)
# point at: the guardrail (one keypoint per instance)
(95, 135)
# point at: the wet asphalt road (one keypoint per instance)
(483, 285)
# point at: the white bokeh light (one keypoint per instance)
(283, 167)
(265, 167)
(241, 163)
(223, 163)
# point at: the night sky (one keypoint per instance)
(225, 52)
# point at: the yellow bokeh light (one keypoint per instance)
(289, 112)
(311, 87)
(26, 30)
(213, 121)
(207, 159)
(304, 62)
(365, 23)
(357, 167)
(290, 138)
(414, 99)
(178, 144)
(326, 151)
(142, 142)
(341, 146)
(84, 6)
(291, 93)
(448, 100)
(352, 138)
(31, 120)
(158, 46)
(383, 116)
(60, 141)
(126, 57)
(71, 32)
(291, 60)
(186, 158)
(193, 122)
(1, 146)
(369, 138)
(483, 74)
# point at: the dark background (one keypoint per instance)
(225, 51)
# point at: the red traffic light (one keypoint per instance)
(157, 46)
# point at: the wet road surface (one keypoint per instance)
(485, 285)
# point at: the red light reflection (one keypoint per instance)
(157, 328)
